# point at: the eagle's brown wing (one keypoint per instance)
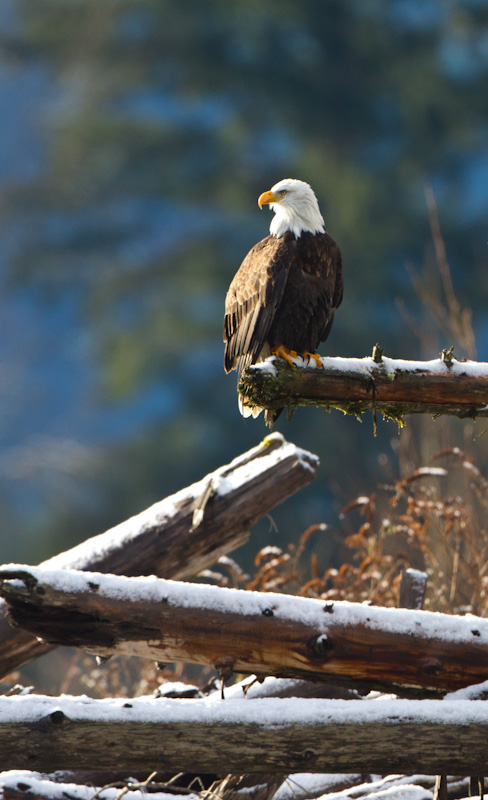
(334, 270)
(253, 297)
(312, 294)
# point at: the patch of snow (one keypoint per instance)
(312, 784)
(39, 785)
(255, 468)
(470, 467)
(472, 692)
(435, 471)
(367, 365)
(268, 365)
(266, 712)
(406, 792)
(400, 787)
(417, 574)
(252, 688)
(381, 785)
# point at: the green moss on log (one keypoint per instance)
(414, 390)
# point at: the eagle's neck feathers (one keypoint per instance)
(298, 216)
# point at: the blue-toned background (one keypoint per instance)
(135, 139)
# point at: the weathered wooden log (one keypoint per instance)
(185, 533)
(273, 735)
(412, 588)
(249, 632)
(412, 591)
(392, 386)
(188, 531)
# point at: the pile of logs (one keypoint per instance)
(341, 687)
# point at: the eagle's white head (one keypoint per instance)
(295, 206)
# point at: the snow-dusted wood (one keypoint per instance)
(412, 588)
(69, 785)
(392, 386)
(185, 533)
(27, 785)
(188, 531)
(248, 632)
(30, 785)
(273, 735)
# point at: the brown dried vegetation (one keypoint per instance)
(411, 523)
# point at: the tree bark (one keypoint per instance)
(185, 533)
(412, 588)
(353, 385)
(249, 632)
(278, 736)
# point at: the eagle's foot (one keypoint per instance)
(315, 357)
(283, 352)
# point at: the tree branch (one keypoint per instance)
(354, 385)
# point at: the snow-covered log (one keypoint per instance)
(394, 387)
(185, 533)
(248, 632)
(266, 735)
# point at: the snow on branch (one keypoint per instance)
(394, 387)
(241, 631)
(273, 735)
(180, 536)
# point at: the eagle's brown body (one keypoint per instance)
(285, 293)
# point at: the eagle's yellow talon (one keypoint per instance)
(283, 352)
(315, 357)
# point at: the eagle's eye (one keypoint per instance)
(282, 192)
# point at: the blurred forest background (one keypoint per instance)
(135, 140)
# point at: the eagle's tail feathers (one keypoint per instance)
(248, 411)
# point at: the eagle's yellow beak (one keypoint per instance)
(267, 197)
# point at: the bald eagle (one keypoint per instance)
(283, 297)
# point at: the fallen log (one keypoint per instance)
(249, 632)
(267, 735)
(185, 533)
(394, 387)
(188, 531)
